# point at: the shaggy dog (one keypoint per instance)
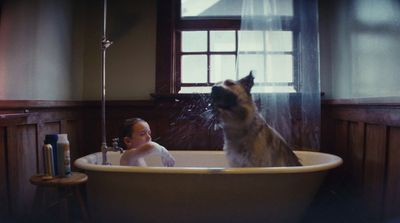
(248, 140)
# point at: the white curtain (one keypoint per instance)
(278, 40)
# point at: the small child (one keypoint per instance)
(136, 138)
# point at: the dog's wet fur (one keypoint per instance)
(248, 140)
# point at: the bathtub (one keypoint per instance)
(202, 188)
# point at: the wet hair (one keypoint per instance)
(127, 130)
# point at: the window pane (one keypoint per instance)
(194, 69)
(194, 41)
(279, 41)
(251, 41)
(255, 62)
(280, 68)
(203, 8)
(222, 41)
(222, 67)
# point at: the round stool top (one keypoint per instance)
(74, 179)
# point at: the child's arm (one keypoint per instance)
(166, 158)
(149, 148)
(132, 157)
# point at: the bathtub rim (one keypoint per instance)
(334, 161)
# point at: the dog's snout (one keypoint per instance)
(216, 90)
(222, 98)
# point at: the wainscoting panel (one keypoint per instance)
(374, 171)
(366, 135)
(392, 193)
(3, 173)
(75, 137)
(356, 152)
(23, 126)
(22, 159)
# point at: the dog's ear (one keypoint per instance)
(247, 82)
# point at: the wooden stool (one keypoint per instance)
(63, 185)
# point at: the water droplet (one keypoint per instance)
(215, 127)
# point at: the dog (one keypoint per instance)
(248, 140)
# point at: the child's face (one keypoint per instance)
(141, 134)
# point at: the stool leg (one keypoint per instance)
(82, 204)
(37, 204)
(63, 205)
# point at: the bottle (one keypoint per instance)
(48, 162)
(52, 140)
(63, 155)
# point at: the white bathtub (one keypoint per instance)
(201, 188)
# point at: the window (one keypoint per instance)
(205, 38)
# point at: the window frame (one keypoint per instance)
(169, 27)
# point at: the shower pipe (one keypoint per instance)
(105, 43)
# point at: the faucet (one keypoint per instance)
(105, 149)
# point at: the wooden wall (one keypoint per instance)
(23, 126)
(366, 134)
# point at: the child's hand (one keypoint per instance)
(168, 161)
(166, 158)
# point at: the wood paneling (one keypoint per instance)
(186, 123)
(22, 162)
(23, 126)
(341, 141)
(3, 174)
(75, 137)
(392, 195)
(374, 170)
(366, 134)
(379, 115)
(356, 147)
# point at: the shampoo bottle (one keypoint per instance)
(63, 155)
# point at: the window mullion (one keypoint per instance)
(265, 53)
(296, 62)
(177, 78)
(208, 57)
(236, 52)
